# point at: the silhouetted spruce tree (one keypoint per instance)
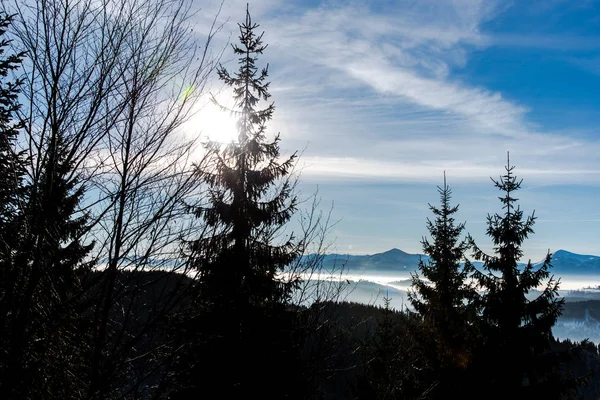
(516, 359)
(43, 332)
(445, 299)
(382, 369)
(12, 163)
(396, 367)
(242, 330)
(41, 255)
(12, 170)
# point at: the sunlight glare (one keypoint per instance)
(210, 122)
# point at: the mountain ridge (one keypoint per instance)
(396, 260)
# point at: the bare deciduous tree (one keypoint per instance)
(115, 80)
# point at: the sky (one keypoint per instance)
(381, 97)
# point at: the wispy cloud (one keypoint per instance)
(406, 54)
(392, 171)
(559, 42)
(381, 97)
(372, 93)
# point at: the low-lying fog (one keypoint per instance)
(579, 322)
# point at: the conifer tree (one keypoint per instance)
(241, 296)
(516, 357)
(395, 364)
(383, 366)
(50, 261)
(245, 199)
(443, 296)
(12, 169)
(12, 163)
(40, 255)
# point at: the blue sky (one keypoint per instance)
(383, 96)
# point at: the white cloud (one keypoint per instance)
(336, 168)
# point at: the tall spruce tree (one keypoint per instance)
(12, 164)
(516, 357)
(242, 329)
(444, 298)
(250, 194)
(40, 255)
(12, 170)
(50, 262)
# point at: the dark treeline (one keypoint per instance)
(132, 268)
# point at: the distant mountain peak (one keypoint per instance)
(563, 253)
(395, 250)
(390, 260)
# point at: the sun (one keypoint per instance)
(209, 121)
(213, 123)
